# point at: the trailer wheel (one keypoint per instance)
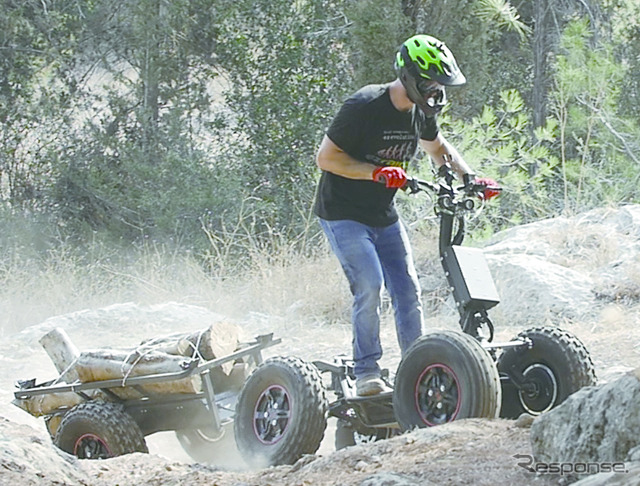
(203, 445)
(557, 365)
(281, 413)
(99, 430)
(445, 375)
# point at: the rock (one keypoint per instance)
(566, 267)
(524, 421)
(392, 479)
(562, 240)
(559, 269)
(624, 220)
(27, 457)
(594, 425)
(534, 290)
(634, 454)
(627, 478)
(303, 461)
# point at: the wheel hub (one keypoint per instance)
(542, 390)
(437, 395)
(90, 446)
(272, 414)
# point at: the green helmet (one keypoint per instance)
(425, 65)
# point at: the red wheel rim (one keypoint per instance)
(437, 395)
(90, 446)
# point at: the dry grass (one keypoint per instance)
(275, 279)
(293, 279)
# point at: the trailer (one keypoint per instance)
(276, 408)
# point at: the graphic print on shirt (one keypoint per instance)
(397, 155)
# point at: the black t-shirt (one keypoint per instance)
(369, 128)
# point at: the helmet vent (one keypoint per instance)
(420, 60)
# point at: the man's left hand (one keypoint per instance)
(491, 188)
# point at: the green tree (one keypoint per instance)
(597, 145)
(34, 47)
(498, 144)
(285, 64)
(138, 159)
(624, 32)
(377, 28)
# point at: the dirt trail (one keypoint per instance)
(475, 452)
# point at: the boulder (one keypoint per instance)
(533, 290)
(594, 425)
(566, 267)
(28, 458)
(627, 478)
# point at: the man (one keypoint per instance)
(363, 157)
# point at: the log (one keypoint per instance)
(40, 405)
(154, 356)
(216, 341)
(109, 364)
(62, 352)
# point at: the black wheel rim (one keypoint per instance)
(90, 446)
(437, 395)
(542, 389)
(272, 414)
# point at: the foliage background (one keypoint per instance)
(193, 123)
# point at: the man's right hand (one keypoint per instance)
(393, 177)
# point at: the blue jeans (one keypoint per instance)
(373, 257)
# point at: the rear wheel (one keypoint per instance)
(281, 412)
(556, 365)
(445, 375)
(99, 430)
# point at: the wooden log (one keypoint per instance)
(154, 356)
(216, 341)
(109, 364)
(62, 352)
(40, 405)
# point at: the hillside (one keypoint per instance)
(581, 273)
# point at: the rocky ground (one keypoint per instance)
(581, 273)
(473, 451)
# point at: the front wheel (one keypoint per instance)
(281, 413)
(555, 366)
(445, 375)
(99, 430)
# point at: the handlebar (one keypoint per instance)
(450, 197)
(453, 202)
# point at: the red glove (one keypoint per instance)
(393, 177)
(491, 188)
